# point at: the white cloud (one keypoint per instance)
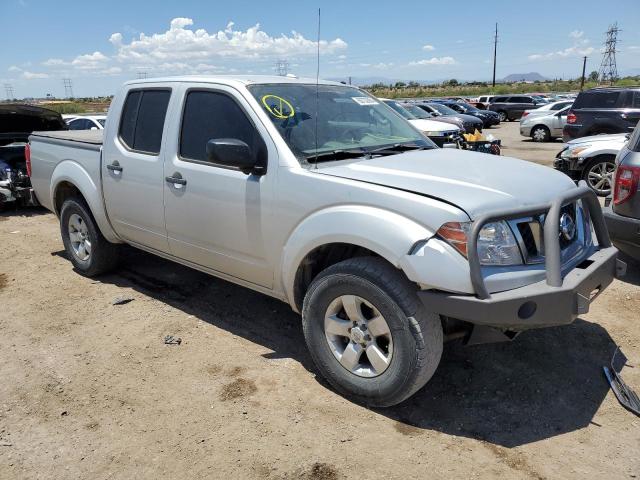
(13, 68)
(53, 62)
(378, 66)
(90, 61)
(633, 47)
(428, 48)
(32, 75)
(580, 48)
(434, 61)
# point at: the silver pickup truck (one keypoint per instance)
(322, 196)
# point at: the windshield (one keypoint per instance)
(417, 112)
(443, 109)
(348, 120)
(400, 109)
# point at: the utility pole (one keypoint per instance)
(608, 68)
(282, 67)
(495, 51)
(584, 68)
(68, 89)
(8, 88)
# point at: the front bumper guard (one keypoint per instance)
(554, 301)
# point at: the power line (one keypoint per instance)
(8, 88)
(68, 88)
(608, 68)
(495, 52)
(282, 67)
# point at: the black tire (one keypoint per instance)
(103, 256)
(594, 164)
(543, 136)
(416, 333)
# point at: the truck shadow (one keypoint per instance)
(546, 383)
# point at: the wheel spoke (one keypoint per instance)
(337, 326)
(378, 326)
(378, 359)
(351, 305)
(87, 246)
(74, 237)
(351, 356)
(81, 251)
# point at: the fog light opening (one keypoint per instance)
(526, 310)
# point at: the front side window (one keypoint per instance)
(318, 120)
(213, 115)
(143, 118)
(79, 124)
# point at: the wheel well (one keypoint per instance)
(597, 158)
(321, 258)
(65, 190)
(540, 125)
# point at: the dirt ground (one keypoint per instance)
(89, 389)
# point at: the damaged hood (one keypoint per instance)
(477, 183)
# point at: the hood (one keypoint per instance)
(477, 183)
(425, 125)
(611, 137)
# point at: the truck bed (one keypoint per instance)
(92, 137)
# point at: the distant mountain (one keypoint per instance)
(524, 77)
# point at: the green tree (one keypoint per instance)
(593, 76)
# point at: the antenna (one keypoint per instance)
(317, 89)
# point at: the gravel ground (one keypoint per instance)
(90, 390)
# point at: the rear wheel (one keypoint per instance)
(368, 333)
(540, 133)
(598, 174)
(88, 250)
(502, 115)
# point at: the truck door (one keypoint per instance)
(217, 216)
(132, 168)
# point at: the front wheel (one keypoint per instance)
(88, 250)
(368, 333)
(598, 174)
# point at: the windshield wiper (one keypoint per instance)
(335, 155)
(395, 148)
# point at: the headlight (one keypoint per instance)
(496, 243)
(574, 152)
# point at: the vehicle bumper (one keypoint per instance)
(525, 130)
(568, 166)
(536, 305)
(624, 232)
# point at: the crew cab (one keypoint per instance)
(320, 195)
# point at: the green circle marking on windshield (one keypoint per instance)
(278, 106)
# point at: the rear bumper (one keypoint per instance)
(536, 305)
(624, 232)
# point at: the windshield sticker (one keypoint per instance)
(364, 100)
(278, 106)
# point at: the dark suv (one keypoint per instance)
(623, 216)
(603, 110)
(511, 107)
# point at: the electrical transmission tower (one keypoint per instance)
(142, 75)
(608, 69)
(282, 67)
(8, 89)
(68, 89)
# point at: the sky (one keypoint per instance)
(99, 45)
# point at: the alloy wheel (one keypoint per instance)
(79, 237)
(600, 177)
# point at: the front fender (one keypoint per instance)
(73, 173)
(388, 234)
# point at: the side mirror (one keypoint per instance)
(93, 128)
(232, 153)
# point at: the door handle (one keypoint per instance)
(177, 180)
(115, 167)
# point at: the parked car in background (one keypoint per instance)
(544, 127)
(470, 124)
(548, 108)
(16, 123)
(440, 133)
(623, 214)
(603, 110)
(87, 122)
(487, 117)
(420, 113)
(353, 217)
(483, 101)
(511, 107)
(592, 159)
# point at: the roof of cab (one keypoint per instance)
(233, 80)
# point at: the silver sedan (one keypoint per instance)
(543, 128)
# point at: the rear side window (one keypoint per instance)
(211, 115)
(632, 100)
(602, 99)
(143, 120)
(498, 99)
(634, 141)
